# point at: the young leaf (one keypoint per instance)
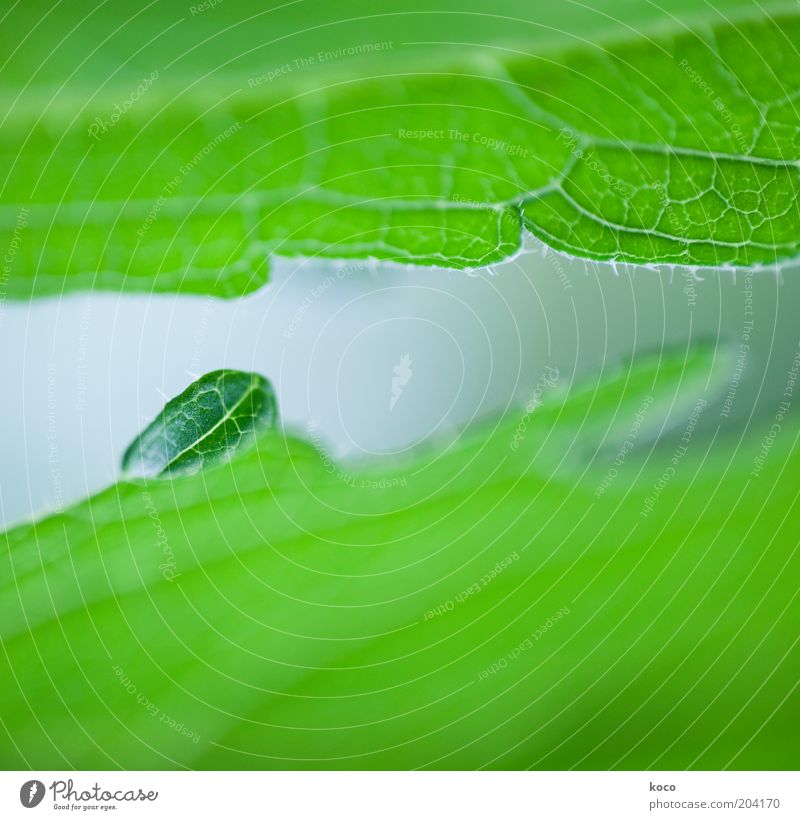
(206, 423)
(681, 148)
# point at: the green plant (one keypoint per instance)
(205, 424)
(677, 148)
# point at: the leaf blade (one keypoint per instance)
(296, 629)
(204, 424)
(673, 149)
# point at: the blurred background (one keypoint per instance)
(89, 371)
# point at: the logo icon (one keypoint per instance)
(401, 375)
(31, 793)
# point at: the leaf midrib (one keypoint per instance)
(225, 417)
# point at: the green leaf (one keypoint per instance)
(679, 148)
(205, 424)
(479, 605)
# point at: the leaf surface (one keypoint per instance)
(205, 424)
(479, 605)
(677, 147)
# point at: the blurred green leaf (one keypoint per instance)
(480, 604)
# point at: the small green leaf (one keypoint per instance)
(206, 423)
